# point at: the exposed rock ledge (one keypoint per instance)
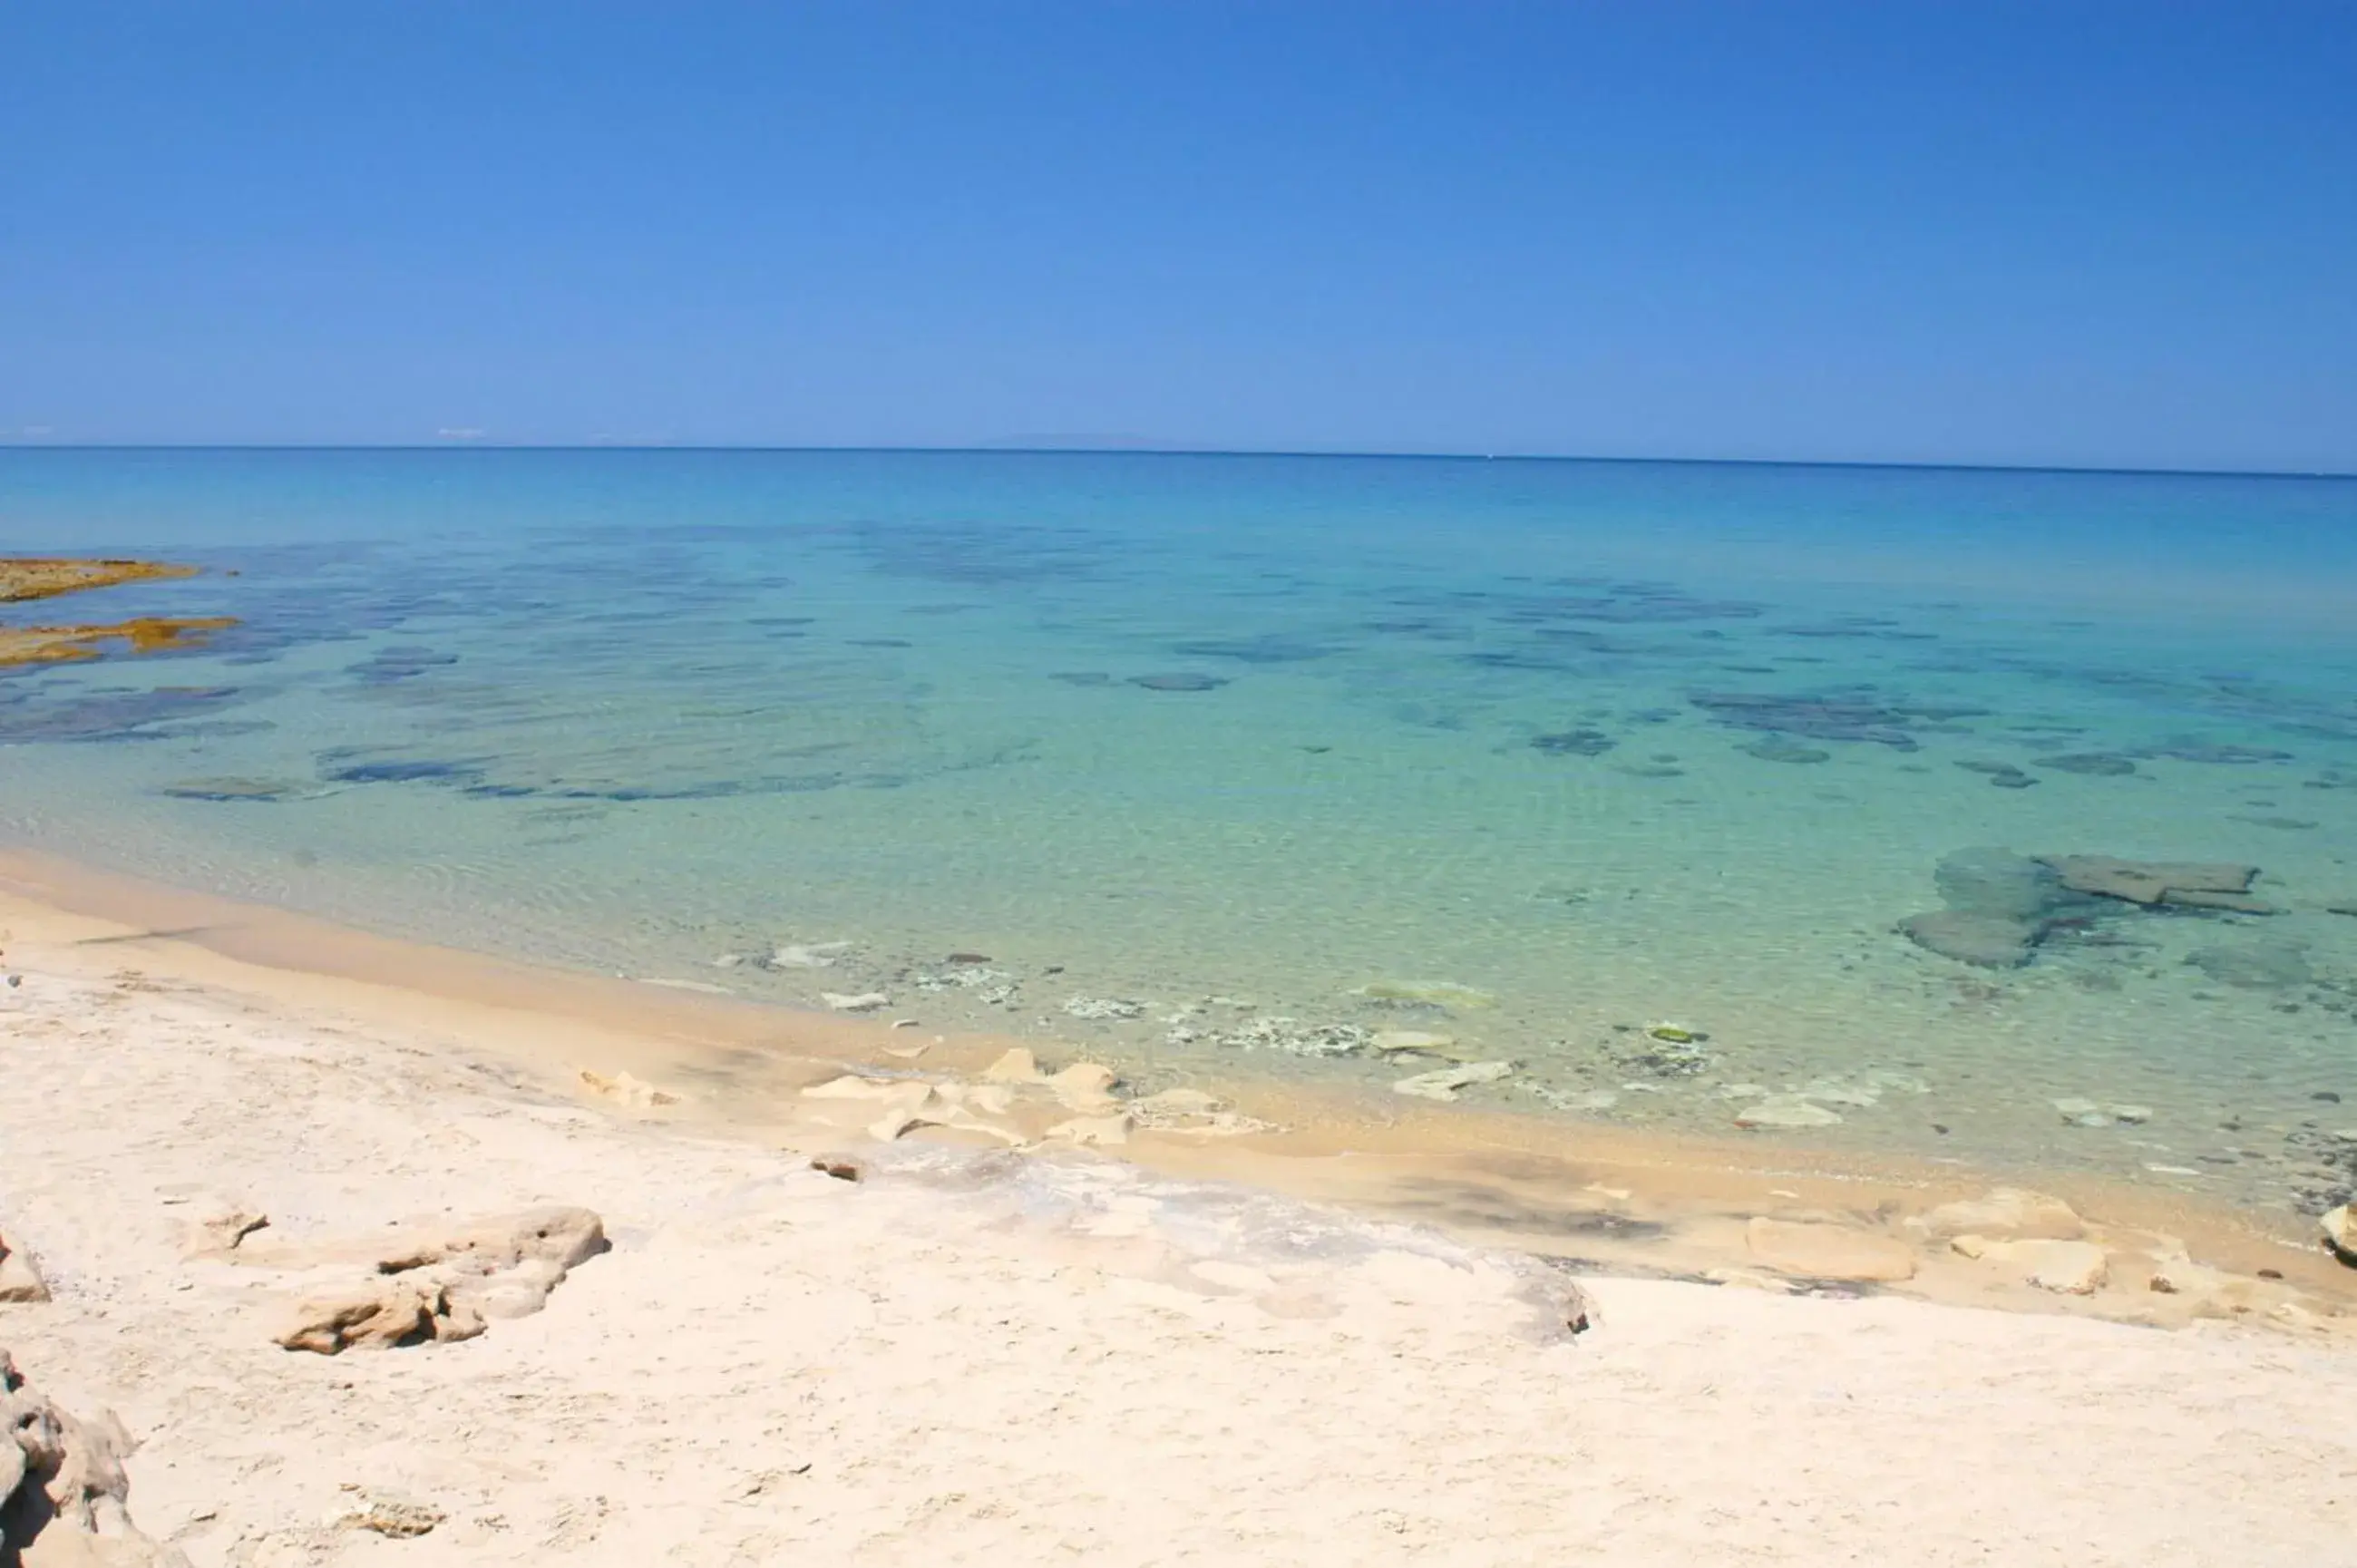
(62, 1490)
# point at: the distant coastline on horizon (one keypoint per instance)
(1144, 446)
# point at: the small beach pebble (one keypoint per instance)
(865, 1002)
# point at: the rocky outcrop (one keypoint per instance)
(377, 1315)
(63, 1492)
(2341, 1233)
(25, 577)
(19, 1280)
(436, 1283)
(216, 1225)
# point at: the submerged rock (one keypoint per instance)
(1427, 993)
(1102, 1008)
(1989, 941)
(1776, 748)
(807, 955)
(2004, 775)
(1444, 1083)
(2094, 764)
(2209, 885)
(1843, 719)
(2257, 967)
(1410, 1040)
(1574, 743)
(2087, 1113)
(1990, 881)
(2229, 755)
(234, 790)
(1785, 1111)
(1180, 682)
(1291, 1035)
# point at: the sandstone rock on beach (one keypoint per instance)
(215, 1226)
(377, 1315)
(2008, 1212)
(63, 1493)
(2071, 1268)
(19, 1280)
(430, 1284)
(2341, 1233)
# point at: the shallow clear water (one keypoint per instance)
(1238, 758)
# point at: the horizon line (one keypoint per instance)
(1000, 449)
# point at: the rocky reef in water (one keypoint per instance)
(26, 578)
(1998, 906)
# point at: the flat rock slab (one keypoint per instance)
(2067, 1268)
(2007, 1211)
(1827, 1252)
(2201, 884)
(1989, 941)
(1444, 1084)
(1785, 1111)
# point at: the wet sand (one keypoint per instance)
(1595, 1196)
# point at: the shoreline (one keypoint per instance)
(1597, 1198)
(970, 1355)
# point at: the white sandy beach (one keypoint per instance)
(969, 1357)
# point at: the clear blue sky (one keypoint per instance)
(2074, 233)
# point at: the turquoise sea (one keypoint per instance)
(1260, 761)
